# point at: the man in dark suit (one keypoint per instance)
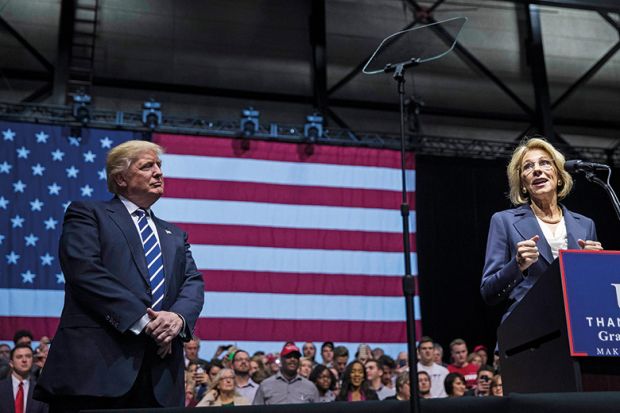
(16, 390)
(132, 296)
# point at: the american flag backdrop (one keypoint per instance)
(292, 245)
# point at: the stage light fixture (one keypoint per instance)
(249, 122)
(151, 114)
(313, 129)
(81, 107)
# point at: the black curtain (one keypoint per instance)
(455, 199)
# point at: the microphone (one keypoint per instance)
(577, 165)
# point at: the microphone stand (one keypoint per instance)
(590, 176)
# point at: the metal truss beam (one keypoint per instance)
(609, 5)
(422, 145)
(29, 47)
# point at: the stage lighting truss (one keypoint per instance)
(313, 129)
(249, 125)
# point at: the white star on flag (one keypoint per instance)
(31, 240)
(106, 142)
(42, 137)
(89, 156)
(12, 258)
(38, 169)
(23, 152)
(73, 141)
(36, 205)
(86, 190)
(4, 202)
(57, 155)
(46, 259)
(60, 278)
(17, 221)
(8, 135)
(102, 174)
(50, 223)
(19, 186)
(72, 172)
(5, 167)
(28, 277)
(54, 189)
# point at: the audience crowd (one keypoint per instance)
(233, 377)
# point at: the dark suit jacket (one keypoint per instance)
(7, 401)
(502, 279)
(107, 290)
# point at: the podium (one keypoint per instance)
(564, 335)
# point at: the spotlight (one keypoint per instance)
(81, 110)
(313, 129)
(249, 122)
(151, 114)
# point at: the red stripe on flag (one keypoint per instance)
(38, 326)
(295, 283)
(277, 151)
(284, 194)
(253, 329)
(246, 235)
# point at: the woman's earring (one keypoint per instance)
(559, 182)
(523, 190)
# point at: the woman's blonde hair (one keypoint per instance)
(120, 158)
(517, 195)
(215, 384)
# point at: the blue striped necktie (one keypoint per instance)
(154, 260)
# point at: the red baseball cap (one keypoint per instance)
(290, 349)
(479, 347)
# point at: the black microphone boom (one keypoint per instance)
(577, 165)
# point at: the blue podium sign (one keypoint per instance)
(591, 288)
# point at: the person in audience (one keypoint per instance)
(426, 363)
(403, 388)
(16, 390)
(377, 352)
(222, 391)
(482, 352)
(40, 357)
(191, 350)
(458, 351)
(483, 383)
(354, 386)
(424, 385)
(214, 367)
(23, 337)
(364, 353)
(341, 359)
(305, 367)
(198, 374)
(325, 383)
(327, 353)
(309, 351)
(338, 380)
(190, 394)
(374, 373)
(402, 362)
(272, 363)
(438, 354)
(5, 357)
(496, 386)
(389, 365)
(475, 359)
(287, 386)
(455, 385)
(243, 381)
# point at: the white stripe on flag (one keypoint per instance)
(285, 173)
(305, 307)
(220, 257)
(199, 211)
(208, 348)
(48, 303)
